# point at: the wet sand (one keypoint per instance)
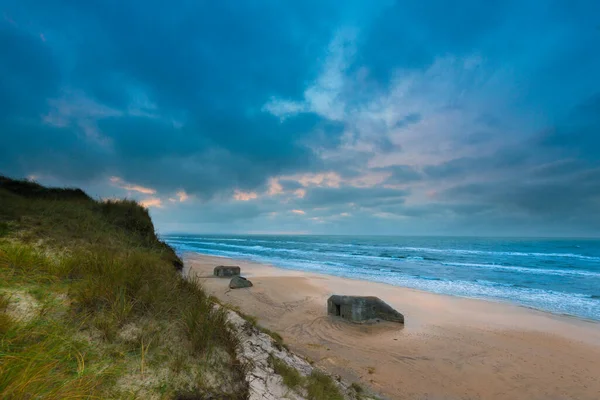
(449, 347)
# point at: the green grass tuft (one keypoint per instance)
(291, 377)
(321, 387)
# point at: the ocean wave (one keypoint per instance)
(428, 278)
(382, 250)
(550, 300)
(237, 246)
(500, 253)
(299, 252)
(537, 271)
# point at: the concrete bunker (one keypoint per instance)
(361, 309)
(225, 271)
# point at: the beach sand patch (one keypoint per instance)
(450, 347)
(21, 306)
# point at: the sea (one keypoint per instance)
(557, 275)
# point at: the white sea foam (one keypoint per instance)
(527, 270)
(500, 253)
(216, 241)
(456, 271)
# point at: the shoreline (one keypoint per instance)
(575, 318)
(450, 347)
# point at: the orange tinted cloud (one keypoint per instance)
(131, 187)
(152, 202)
(300, 193)
(183, 196)
(275, 187)
(244, 196)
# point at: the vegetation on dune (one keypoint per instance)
(92, 305)
(291, 377)
(253, 322)
(68, 219)
(321, 387)
(317, 386)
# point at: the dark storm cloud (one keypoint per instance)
(579, 133)
(401, 174)
(503, 160)
(472, 210)
(558, 196)
(428, 29)
(29, 73)
(325, 197)
(553, 177)
(486, 113)
(185, 82)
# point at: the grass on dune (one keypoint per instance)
(291, 377)
(78, 221)
(253, 322)
(104, 293)
(318, 386)
(42, 360)
(92, 305)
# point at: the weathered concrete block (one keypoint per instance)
(238, 282)
(362, 309)
(226, 271)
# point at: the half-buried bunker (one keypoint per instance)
(224, 271)
(362, 309)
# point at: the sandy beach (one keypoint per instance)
(449, 347)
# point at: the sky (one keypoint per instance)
(318, 117)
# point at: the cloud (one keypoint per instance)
(300, 193)
(299, 212)
(244, 196)
(115, 180)
(323, 97)
(137, 115)
(325, 197)
(75, 110)
(396, 116)
(151, 202)
(401, 174)
(183, 196)
(327, 179)
(275, 187)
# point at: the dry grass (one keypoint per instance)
(112, 310)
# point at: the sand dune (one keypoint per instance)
(449, 348)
